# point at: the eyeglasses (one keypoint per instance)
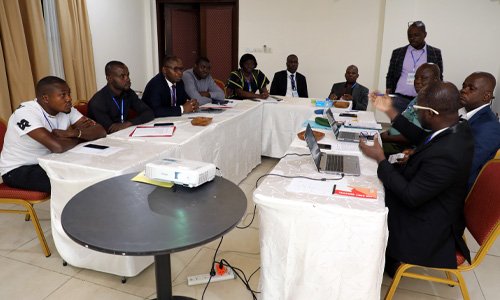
(175, 69)
(417, 107)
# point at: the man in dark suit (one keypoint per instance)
(475, 96)
(406, 60)
(426, 196)
(289, 82)
(165, 92)
(351, 90)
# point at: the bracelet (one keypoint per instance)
(79, 134)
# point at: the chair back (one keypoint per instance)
(83, 107)
(221, 84)
(482, 206)
(3, 130)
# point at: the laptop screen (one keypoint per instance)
(313, 145)
(331, 120)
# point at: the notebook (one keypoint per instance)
(344, 136)
(331, 163)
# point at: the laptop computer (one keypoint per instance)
(331, 163)
(344, 136)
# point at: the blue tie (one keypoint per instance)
(292, 80)
(174, 96)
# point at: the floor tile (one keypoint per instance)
(32, 254)
(76, 289)
(488, 275)
(23, 281)
(238, 240)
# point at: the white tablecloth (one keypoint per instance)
(320, 247)
(232, 142)
(71, 172)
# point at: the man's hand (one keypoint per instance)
(407, 153)
(68, 133)
(205, 94)
(347, 97)
(119, 126)
(264, 95)
(333, 97)
(190, 106)
(375, 152)
(381, 102)
(83, 123)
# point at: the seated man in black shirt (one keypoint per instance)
(111, 106)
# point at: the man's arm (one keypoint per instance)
(362, 100)
(144, 112)
(98, 111)
(275, 85)
(152, 96)
(392, 77)
(304, 93)
(52, 141)
(85, 129)
(192, 91)
(215, 91)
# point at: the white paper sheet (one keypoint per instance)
(93, 151)
(153, 131)
(301, 185)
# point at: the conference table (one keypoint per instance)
(315, 245)
(123, 217)
(232, 142)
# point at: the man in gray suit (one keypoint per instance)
(350, 90)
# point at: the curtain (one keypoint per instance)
(53, 39)
(76, 46)
(23, 52)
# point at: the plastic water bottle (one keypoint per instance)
(328, 103)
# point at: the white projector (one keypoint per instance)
(180, 171)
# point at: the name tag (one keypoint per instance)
(410, 78)
(295, 94)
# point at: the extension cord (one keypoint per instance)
(203, 278)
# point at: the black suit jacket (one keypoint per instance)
(396, 64)
(278, 86)
(426, 196)
(359, 95)
(157, 96)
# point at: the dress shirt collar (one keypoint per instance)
(437, 132)
(294, 75)
(410, 48)
(474, 111)
(170, 84)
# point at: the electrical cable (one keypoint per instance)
(251, 221)
(242, 277)
(298, 176)
(212, 270)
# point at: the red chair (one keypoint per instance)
(83, 107)
(482, 216)
(25, 198)
(221, 84)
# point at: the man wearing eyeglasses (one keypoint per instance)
(394, 141)
(165, 92)
(406, 60)
(289, 82)
(426, 196)
(475, 96)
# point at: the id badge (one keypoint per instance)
(410, 78)
(295, 94)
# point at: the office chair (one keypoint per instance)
(25, 198)
(482, 217)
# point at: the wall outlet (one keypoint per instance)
(203, 278)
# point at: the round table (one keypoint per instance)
(124, 217)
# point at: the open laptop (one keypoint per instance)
(344, 136)
(331, 163)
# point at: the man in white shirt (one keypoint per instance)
(199, 84)
(38, 127)
(289, 82)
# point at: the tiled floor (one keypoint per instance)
(26, 274)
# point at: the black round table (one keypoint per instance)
(123, 217)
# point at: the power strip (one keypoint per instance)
(203, 278)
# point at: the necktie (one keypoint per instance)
(292, 80)
(174, 98)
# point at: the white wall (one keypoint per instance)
(327, 35)
(121, 30)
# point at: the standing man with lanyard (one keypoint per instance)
(111, 106)
(406, 60)
(289, 82)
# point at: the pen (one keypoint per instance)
(334, 188)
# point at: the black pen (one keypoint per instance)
(334, 188)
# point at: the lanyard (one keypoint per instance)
(416, 61)
(47, 119)
(120, 108)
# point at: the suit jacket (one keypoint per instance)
(426, 196)
(396, 64)
(278, 86)
(157, 95)
(359, 94)
(486, 132)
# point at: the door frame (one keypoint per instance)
(163, 39)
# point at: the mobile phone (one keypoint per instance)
(348, 115)
(325, 146)
(163, 124)
(94, 146)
